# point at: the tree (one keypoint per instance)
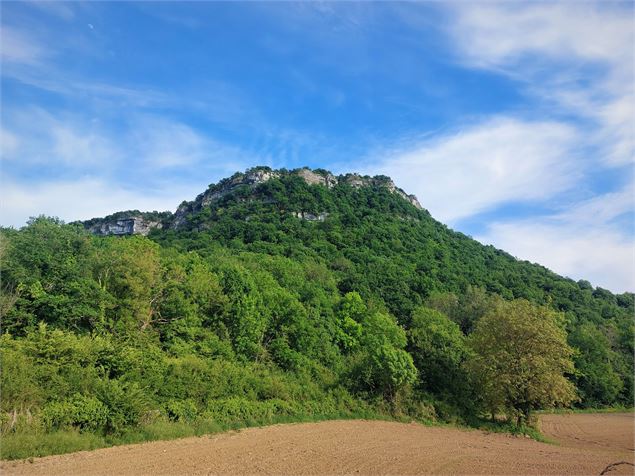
(597, 381)
(520, 358)
(385, 366)
(438, 348)
(465, 309)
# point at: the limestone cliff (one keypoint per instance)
(132, 222)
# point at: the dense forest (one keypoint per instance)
(283, 300)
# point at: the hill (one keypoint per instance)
(286, 294)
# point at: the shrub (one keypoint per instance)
(181, 410)
(80, 411)
(236, 409)
(126, 404)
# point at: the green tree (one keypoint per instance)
(383, 366)
(596, 379)
(438, 348)
(520, 358)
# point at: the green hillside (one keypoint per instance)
(283, 295)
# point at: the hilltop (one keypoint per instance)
(242, 184)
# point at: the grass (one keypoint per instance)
(564, 411)
(25, 445)
(36, 444)
(510, 428)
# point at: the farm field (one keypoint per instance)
(586, 444)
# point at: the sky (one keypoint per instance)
(512, 122)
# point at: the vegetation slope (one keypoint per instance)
(249, 313)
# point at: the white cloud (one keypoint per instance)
(81, 199)
(39, 138)
(602, 209)
(8, 143)
(496, 34)
(169, 144)
(578, 56)
(141, 142)
(582, 243)
(502, 160)
(19, 48)
(149, 162)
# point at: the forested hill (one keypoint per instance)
(376, 239)
(282, 293)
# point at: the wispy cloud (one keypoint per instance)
(498, 161)
(576, 56)
(584, 242)
(61, 10)
(81, 199)
(64, 141)
(145, 162)
(19, 48)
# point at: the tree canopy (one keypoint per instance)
(521, 359)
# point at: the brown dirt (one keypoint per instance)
(587, 445)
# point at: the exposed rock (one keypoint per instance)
(411, 198)
(257, 175)
(134, 225)
(327, 179)
(180, 216)
(357, 181)
(251, 177)
(311, 217)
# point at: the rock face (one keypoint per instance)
(327, 179)
(358, 181)
(251, 178)
(129, 223)
(311, 217)
(134, 225)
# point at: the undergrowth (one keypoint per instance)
(21, 445)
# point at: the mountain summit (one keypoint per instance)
(245, 186)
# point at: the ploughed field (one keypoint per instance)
(586, 444)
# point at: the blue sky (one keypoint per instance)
(512, 122)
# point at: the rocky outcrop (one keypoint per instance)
(412, 199)
(312, 178)
(135, 222)
(134, 225)
(358, 181)
(251, 178)
(312, 217)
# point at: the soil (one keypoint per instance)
(586, 444)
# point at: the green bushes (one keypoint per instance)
(81, 412)
(126, 403)
(181, 410)
(236, 409)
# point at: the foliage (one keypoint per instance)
(249, 313)
(438, 348)
(520, 359)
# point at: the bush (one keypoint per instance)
(236, 410)
(181, 410)
(80, 411)
(126, 404)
